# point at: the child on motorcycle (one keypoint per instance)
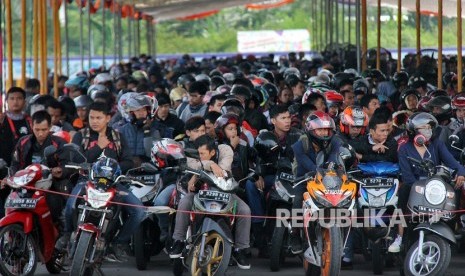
(218, 159)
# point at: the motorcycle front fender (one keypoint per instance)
(209, 225)
(89, 227)
(26, 219)
(439, 228)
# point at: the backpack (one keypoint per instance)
(115, 136)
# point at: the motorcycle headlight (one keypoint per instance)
(98, 199)
(226, 185)
(23, 179)
(435, 192)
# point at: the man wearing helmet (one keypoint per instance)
(313, 148)
(458, 105)
(422, 125)
(96, 141)
(352, 123)
(217, 159)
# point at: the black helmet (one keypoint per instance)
(416, 82)
(82, 101)
(449, 78)
(185, 79)
(104, 172)
(267, 75)
(437, 93)
(216, 81)
(234, 106)
(341, 79)
(360, 87)
(407, 92)
(440, 107)
(271, 89)
(241, 91)
(400, 78)
(267, 146)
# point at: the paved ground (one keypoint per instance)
(161, 266)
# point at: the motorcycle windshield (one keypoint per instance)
(331, 178)
(379, 168)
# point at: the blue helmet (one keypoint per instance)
(107, 168)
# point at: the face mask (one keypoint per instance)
(426, 132)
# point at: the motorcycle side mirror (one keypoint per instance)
(49, 151)
(149, 167)
(71, 146)
(453, 139)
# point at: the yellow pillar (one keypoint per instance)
(399, 35)
(459, 45)
(23, 43)
(440, 44)
(35, 37)
(9, 45)
(364, 35)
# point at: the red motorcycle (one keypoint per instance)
(27, 232)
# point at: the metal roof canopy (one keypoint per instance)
(170, 9)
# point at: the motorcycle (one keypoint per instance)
(432, 200)
(378, 191)
(281, 196)
(329, 189)
(28, 233)
(146, 240)
(209, 238)
(98, 222)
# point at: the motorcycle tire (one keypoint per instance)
(178, 267)
(440, 245)
(83, 249)
(18, 230)
(225, 247)
(277, 254)
(53, 265)
(332, 252)
(140, 252)
(377, 257)
(311, 269)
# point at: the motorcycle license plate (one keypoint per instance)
(429, 210)
(24, 203)
(379, 182)
(214, 195)
(147, 179)
(286, 177)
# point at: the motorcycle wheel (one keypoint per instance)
(332, 251)
(54, 265)
(140, 251)
(277, 254)
(436, 250)
(218, 252)
(377, 257)
(13, 259)
(81, 255)
(310, 269)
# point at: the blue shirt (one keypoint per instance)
(439, 155)
(306, 162)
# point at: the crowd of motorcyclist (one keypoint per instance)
(238, 115)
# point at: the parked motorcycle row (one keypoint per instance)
(28, 235)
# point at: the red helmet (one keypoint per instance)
(320, 120)
(458, 101)
(223, 121)
(422, 104)
(166, 153)
(333, 98)
(353, 116)
(63, 135)
(257, 81)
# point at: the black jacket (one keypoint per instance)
(363, 147)
(93, 151)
